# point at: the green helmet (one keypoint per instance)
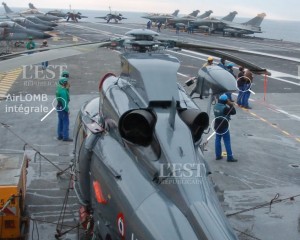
(65, 74)
(63, 80)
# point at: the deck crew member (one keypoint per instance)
(222, 111)
(62, 108)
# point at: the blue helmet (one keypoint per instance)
(223, 97)
(230, 65)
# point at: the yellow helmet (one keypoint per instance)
(210, 58)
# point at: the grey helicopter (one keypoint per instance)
(139, 170)
(140, 173)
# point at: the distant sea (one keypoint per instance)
(274, 29)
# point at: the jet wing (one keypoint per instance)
(102, 17)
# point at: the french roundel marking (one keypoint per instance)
(121, 225)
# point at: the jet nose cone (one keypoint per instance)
(46, 35)
(54, 18)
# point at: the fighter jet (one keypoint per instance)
(10, 14)
(115, 16)
(40, 21)
(12, 31)
(57, 13)
(74, 16)
(40, 15)
(250, 27)
(186, 20)
(30, 12)
(214, 24)
(183, 20)
(163, 18)
(69, 15)
(31, 25)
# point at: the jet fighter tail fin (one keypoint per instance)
(206, 14)
(194, 13)
(256, 21)
(31, 6)
(6, 8)
(175, 13)
(230, 16)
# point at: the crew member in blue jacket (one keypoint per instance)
(222, 63)
(223, 110)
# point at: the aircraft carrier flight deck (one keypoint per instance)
(265, 139)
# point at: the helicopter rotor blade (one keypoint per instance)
(218, 52)
(239, 61)
(46, 54)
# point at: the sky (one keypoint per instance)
(275, 9)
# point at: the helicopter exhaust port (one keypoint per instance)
(196, 121)
(137, 126)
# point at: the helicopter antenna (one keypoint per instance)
(211, 98)
(172, 114)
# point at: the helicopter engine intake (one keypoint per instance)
(137, 126)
